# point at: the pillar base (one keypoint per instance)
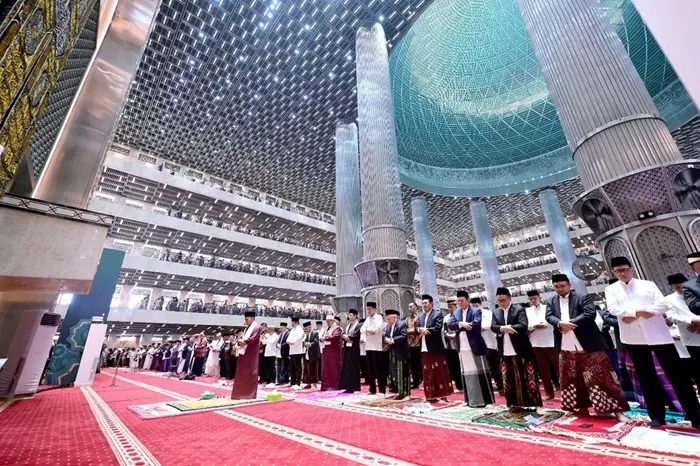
(396, 297)
(342, 304)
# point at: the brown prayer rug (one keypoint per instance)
(385, 402)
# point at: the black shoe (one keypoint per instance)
(657, 422)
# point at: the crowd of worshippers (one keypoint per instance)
(565, 343)
(244, 267)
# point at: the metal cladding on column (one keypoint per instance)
(640, 198)
(348, 224)
(559, 233)
(487, 253)
(610, 120)
(424, 247)
(386, 273)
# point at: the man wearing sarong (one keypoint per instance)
(396, 336)
(586, 374)
(520, 383)
(245, 382)
(471, 348)
(436, 375)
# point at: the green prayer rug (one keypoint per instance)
(522, 420)
(460, 414)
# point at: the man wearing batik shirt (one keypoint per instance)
(414, 345)
(587, 376)
(645, 334)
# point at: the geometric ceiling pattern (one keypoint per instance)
(473, 113)
(250, 91)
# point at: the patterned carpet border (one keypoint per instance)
(126, 447)
(650, 458)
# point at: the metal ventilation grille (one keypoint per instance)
(664, 252)
(62, 94)
(50, 319)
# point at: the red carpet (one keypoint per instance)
(203, 438)
(55, 428)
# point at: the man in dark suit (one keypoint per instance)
(471, 351)
(396, 336)
(586, 374)
(691, 289)
(437, 382)
(350, 370)
(520, 381)
(313, 354)
(283, 355)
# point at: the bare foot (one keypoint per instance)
(621, 417)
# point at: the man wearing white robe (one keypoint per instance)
(212, 368)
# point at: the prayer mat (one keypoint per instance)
(170, 408)
(459, 414)
(214, 403)
(318, 395)
(676, 441)
(522, 420)
(385, 402)
(596, 430)
(641, 414)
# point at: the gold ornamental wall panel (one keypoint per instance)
(36, 38)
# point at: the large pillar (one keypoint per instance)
(559, 234)
(348, 221)
(487, 252)
(629, 164)
(424, 248)
(386, 273)
(156, 294)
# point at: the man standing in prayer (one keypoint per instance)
(396, 336)
(261, 350)
(492, 356)
(414, 345)
(313, 354)
(200, 353)
(677, 311)
(471, 347)
(296, 353)
(332, 358)
(587, 376)
(268, 370)
(691, 288)
(544, 342)
(451, 351)
(283, 355)
(645, 334)
(245, 383)
(350, 369)
(321, 329)
(509, 323)
(371, 333)
(212, 368)
(436, 375)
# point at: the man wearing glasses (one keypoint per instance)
(645, 334)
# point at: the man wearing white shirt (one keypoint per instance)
(541, 334)
(321, 329)
(268, 371)
(691, 288)
(296, 353)
(587, 376)
(372, 333)
(492, 355)
(676, 310)
(645, 334)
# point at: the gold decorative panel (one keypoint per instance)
(36, 38)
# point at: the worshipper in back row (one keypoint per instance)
(332, 357)
(224, 361)
(691, 288)
(545, 342)
(436, 374)
(371, 333)
(261, 349)
(492, 356)
(471, 349)
(312, 354)
(200, 353)
(321, 329)
(148, 360)
(587, 376)
(267, 372)
(350, 368)
(212, 368)
(414, 345)
(676, 311)
(451, 347)
(396, 336)
(520, 384)
(245, 382)
(282, 356)
(296, 354)
(645, 334)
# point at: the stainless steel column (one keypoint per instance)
(559, 233)
(424, 247)
(487, 253)
(386, 273)
(348, 221)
